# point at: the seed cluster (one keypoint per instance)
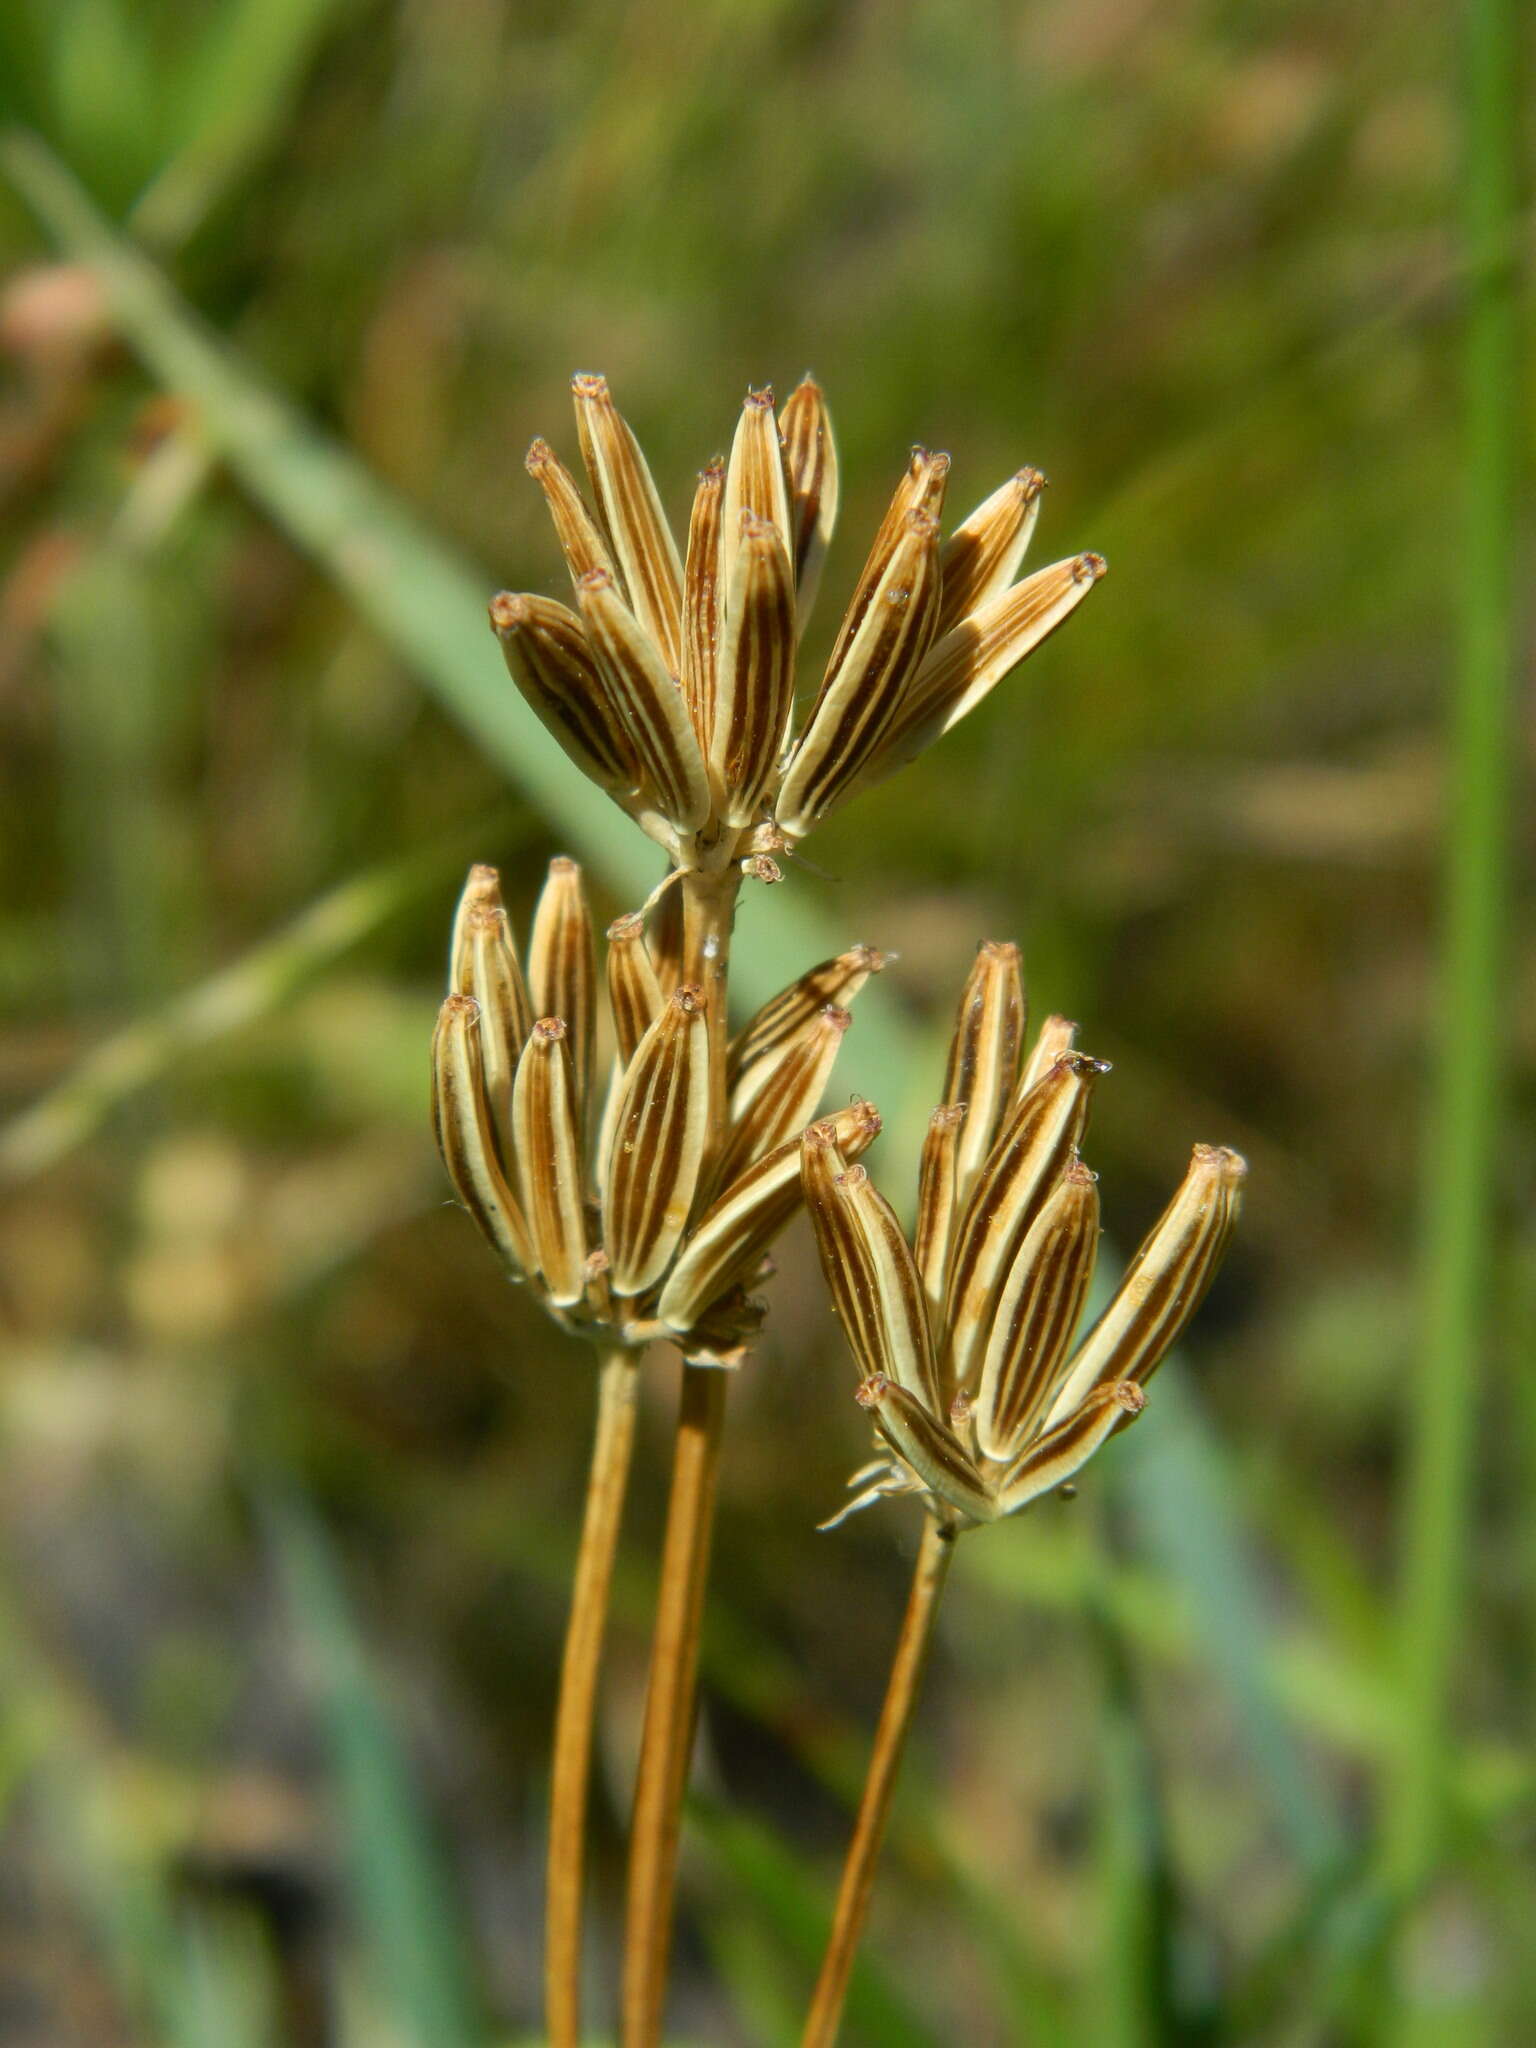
(963, 1337)
(672, 682)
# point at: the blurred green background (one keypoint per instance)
(288, 1478)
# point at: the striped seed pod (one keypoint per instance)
(869, 1269)
(649, 702)
(702, 590)
(630, 513)
(548, 656)
(789, 1098)
(1056, 1037)
(1036, 1146)
(810, 467)
(929, 1448)
(546, 1139)
(982, 556)
(1166, 1281)
(984, 1053)
(482, 889)
(506, 1014)
(866, 682)
(755, 673)
(1038, 1310)
(576, 530)
(754, 480)
(742, 1221)
(562, 966)
(938, 1204)
(1053, 1460)
(461, 1121)
(658, 1144)
(785, 1016)
(921, 489)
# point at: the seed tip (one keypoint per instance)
(1089, 568)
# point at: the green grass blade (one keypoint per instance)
(1170, 1472)
(797, 1913)
(253, 987)
(402, 1901)
(1462, 1139)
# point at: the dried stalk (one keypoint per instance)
(929, 1574)
(607, 1482)
(666, 1741)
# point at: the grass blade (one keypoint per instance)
(403, 1904)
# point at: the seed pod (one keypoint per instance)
(1039, 1140)
(785, 1016)
(1057, 1035)
(461, 1118)
(658, 1144)
(810, 467)
(482, 887)
(754, 480)
(868, 1266)
(506, 1015)
(575, 528)
(630, 511)
(1037, 1314)
(921, 490)
(864, 686)
(743, 1220)
(634, 994)
(984, 1053)
(755, 675)
(982, 556)
(785, 1105)
(934, 1453)
(562, 965)
(1165, 1283)
(546, 1140)
(549, 658)
(1051, 1461)
(937, 1206)
(702, 593)
(975, 655)
(649, 702)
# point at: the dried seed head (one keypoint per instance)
(649, 703)
(548, 656)
(810, 465)
(1166, 1281)
(575, 528)
(743, 1220)
(562, 966)
(702, 601)
(461, 1119)
(630, 511)
(982, 556)
(984, 1053)
(658, 1143)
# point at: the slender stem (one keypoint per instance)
(666, 1742)
(858, 1881)
(667, 1738)
(1463, 1135)
(607, 1481)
